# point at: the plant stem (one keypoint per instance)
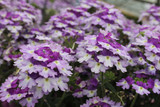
(120, 99)
(61, 100)
(44, 12)
(134, 100)
(73, 45)
(46, 102)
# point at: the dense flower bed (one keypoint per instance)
(84, 56)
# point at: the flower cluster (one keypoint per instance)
(102, 15)
(78, 53)
(86, 87)
(141, 87)
(10, 91)
(100, 52)
(145, 53)
(151, 16)
(16, 27)
(102, 102)
(58, 5)
(88, 18)
(41, 68)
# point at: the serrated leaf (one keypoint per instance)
(109, 76)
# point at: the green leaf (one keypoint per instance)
(109, 76)
(49, 13)
(142, 33)
(140, 79)
(114, 97)
(110, 87)
(35, 5)
(52, 1)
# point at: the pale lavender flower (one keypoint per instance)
(156, 88)
(29, 102)
(96, 101)
(140, 88)
(125, 82)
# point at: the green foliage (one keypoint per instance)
(110, 87)
(92, 10)
(5, 70)
(109, 76)
(47, 14)
(70, 42)
(72, 80)
(35, 5)
(114, 97)
(123, 38)
(142, 33)
(140, 79)
(50, 12)
(52, 1)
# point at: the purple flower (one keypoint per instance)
(96, 67)
(26, 81)
(125, 83)
(78, 93)
(47, 84)
(151, 69)
(151, 16)
(141, 88)
(35, 77)
(150, 83)
(90, 93)
(29, 102)
(9, 90)
(96, 101)
(156, 88)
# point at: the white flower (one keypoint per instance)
(61, 83)
(107, 60)
(151, 56)
(158, 65)
(47, 84)
(14, 29)
(83, 56)
(45, 71)
(156, 88)
(26, 81)
(90, 93)
(96, 67)
(119, 66)
(93, 48)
